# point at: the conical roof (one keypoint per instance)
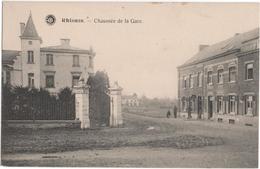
(30, 30)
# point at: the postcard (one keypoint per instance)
(130, 84)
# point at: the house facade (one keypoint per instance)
(222, 79)
(130, 100)
(52, 67)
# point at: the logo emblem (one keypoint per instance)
(50, 19)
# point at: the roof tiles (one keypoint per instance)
(233, 43)
(30, 30)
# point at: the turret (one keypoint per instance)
(30, 51)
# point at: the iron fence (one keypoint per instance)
(39, 108)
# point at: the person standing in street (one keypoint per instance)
(168, 114)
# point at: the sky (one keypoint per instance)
(142, 57)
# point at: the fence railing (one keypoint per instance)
(39, 108)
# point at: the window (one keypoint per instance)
(210, 76)
(184, 82)
(220, 76)
(232, 104)
(249, 71)
(75, 60)
(199, 79)
(30, 42)
(75, 80)
(30, 80)
(49, 59)
(220, 104)
(191, 104)
(249, 105)
(30, 57)
(50, 81)
(232, 74)
(191, 81)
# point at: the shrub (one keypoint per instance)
(23, 103)
(7, 99)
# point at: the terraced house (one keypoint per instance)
(222, 79)
(52, 67)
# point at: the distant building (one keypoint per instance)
(130, 100)
(222, 79)
(52, 67)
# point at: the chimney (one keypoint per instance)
(201, 47)
(65, 42)
(22, 27)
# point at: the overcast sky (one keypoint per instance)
(142, 57)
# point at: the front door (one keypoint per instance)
(210, 107)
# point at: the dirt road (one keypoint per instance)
(239, 148)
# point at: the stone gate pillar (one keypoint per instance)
(82, 105)
(116, 119)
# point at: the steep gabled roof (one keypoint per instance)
(30, 30)
(231, 44)
(8, 56)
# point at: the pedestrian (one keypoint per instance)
(175, 111)
(168, 114)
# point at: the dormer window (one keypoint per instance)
(30, 57)
(75, 61)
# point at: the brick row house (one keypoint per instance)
(222, 79)
(51, 67)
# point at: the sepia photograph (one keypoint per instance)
(130, 84)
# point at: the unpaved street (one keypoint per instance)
(152, 142)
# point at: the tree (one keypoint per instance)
(99, 99)
(66, 103)
(65, 94)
